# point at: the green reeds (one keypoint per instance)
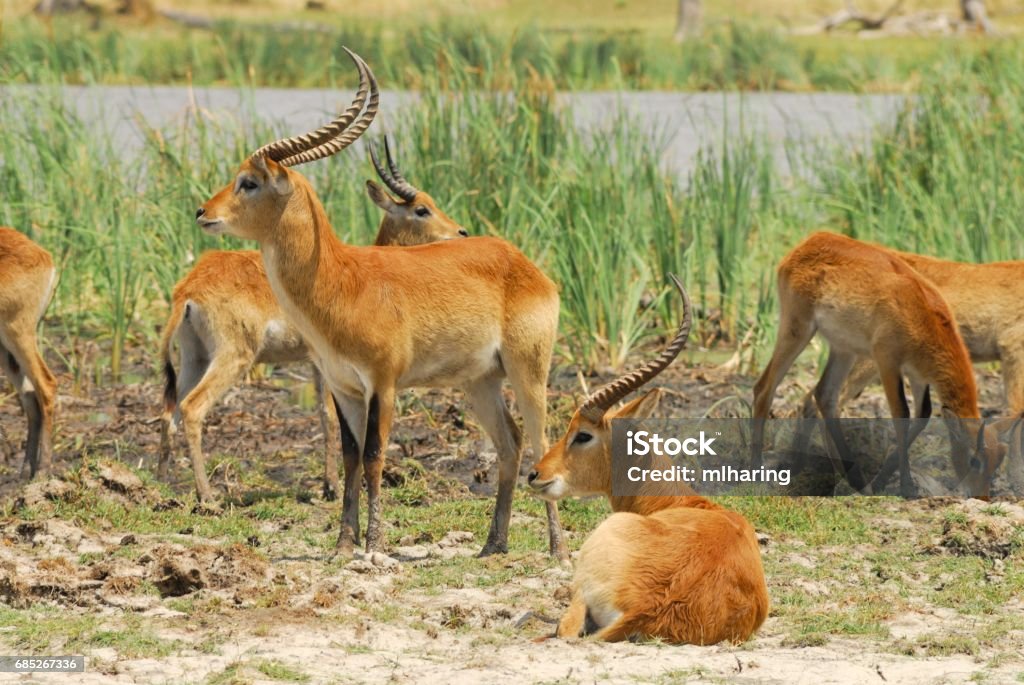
(595, 208)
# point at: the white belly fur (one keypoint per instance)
(841, 336)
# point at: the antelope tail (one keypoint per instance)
(166, 338)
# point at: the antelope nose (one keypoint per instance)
(200, 212)
(532, 477)
(464, 233)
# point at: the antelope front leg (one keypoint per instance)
(329, 426)
(351, 413)
(378, 428)
(556, 538)
(892, 383)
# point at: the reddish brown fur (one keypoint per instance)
(668, 564)
(234, 322)
(987, 301)
(866, 301)
(27, 281)
(462, 313)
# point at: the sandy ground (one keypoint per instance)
(276, 609)
(349, 623)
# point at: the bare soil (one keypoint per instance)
(182, 607)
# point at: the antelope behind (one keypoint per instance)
(867, 302)
(987, 301)
(225, 319)
(668, 564)
(462, 313)
(27, 282)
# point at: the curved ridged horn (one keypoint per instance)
(350, 134)
(329, 138)
(603, 399)
(393, 178)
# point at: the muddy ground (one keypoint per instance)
(102, 560)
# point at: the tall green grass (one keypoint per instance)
(741, 55)
(947, 179)
(595, 209)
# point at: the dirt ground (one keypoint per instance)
(102, 560)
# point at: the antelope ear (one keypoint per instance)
(276, 175)
(279, 179)
(379, 196)
(1003, 451)
(640, 408)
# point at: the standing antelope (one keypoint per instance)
(463, 313)
(225, 319)
(987, 301)
(668, 564)
(867, 302)
(27, 282)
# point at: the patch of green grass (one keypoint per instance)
(277, 670)
(90, 509)
(953, 516)
(48, 630)
(963, 583)
(520, 168)
(231, 675)
(813, 628)
(814, 520)
(730, 54)
(947, 645)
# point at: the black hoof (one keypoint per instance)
(492, 548)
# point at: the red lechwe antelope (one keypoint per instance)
(867, 302)
(225, 318)
(464, 313)
(668, 563)
(987, 301)
(27, 281)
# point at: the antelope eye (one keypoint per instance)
(582, 438)
(422, 211)
(248, 184)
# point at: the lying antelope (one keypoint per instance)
(27, 281)
(867, 302)
(463, 313)
(225, 319)
(668, 564)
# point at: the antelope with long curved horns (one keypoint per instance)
(27, 281)
(463, 313)
(668, 564)
(225, 319)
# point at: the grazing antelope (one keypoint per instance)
(867, 302)
(668, 564)
(27, 281)
(225, 319)
(987, 301)
(463, 313)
